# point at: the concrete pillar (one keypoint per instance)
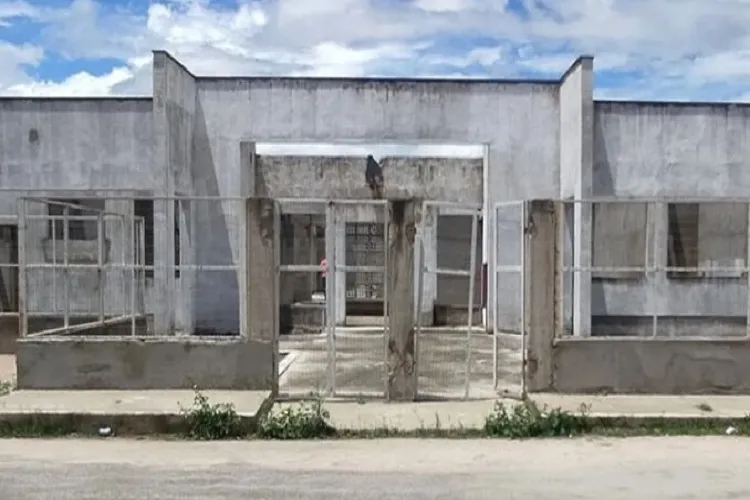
(261, 317)
(541, 293)
(429, 259)
(576, 180)
(402, 356)
(340, 276)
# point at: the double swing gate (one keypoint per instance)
(457, 362)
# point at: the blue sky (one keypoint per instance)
(643, 49)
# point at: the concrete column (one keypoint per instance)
(576, 180)
(541, 293)
(340, 276)
(429, 280)
(261, 283)
(402, 356)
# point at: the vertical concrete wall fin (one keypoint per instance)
(541, 293)
(402, 356)
(174, 123)
(576, 181)
(261, 292)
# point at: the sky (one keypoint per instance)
(643, 49)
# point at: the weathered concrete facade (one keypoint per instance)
(542, 139)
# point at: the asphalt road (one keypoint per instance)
(666, 468)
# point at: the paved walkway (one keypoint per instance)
(413, 416)
(398, 469)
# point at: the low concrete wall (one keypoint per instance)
(656, 366)
(144, 363)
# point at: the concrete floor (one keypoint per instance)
(360, 365)
(7, 367)
(397, 469)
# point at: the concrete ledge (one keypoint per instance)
(125, 413)
(133, 363)
(654, 366)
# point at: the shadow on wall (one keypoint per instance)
(215, 294)
(602, 185)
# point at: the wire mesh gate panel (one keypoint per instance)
(365, 247)
(337, 361)
(451, 362)
(508, 297)
(79, 267)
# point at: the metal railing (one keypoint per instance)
(183, 261)
(656, 267)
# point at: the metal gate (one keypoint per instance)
(442, 353)
(339, 361)
(365, 246)
(508, 298)
(79, 266)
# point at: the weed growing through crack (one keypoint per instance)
(527, 420)
(308, 420)
(208, 422)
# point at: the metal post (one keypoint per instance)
(100, 263)
(66, 274)
(134, 261)
(495, 271)
(386, 324)
(657, 214)
(330, 238)
(420, 292)
(472, 282)
(747, 274)
(142, 261)
(524, 353)
(23, 310)
(54, 264)
(277, 294)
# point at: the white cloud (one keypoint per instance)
(693, 43)
(14, 10)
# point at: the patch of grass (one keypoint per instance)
(308, 420)
(206, 421)
(34, 426)
(527, 420)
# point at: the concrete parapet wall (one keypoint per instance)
(701, 366)
(144, 363)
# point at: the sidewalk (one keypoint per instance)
(471, 414)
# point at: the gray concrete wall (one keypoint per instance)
(70, 148)
(659, 366)
(680, 150)
(144, 363)
(518, 121)
(332, 177)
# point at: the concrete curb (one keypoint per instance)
(121, 424)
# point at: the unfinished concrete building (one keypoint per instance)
(148, 197)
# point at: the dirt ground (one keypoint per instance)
(360, 365)
(585, 469)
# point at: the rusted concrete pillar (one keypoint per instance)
(402, 356)
(542, 291)
(261, 283)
